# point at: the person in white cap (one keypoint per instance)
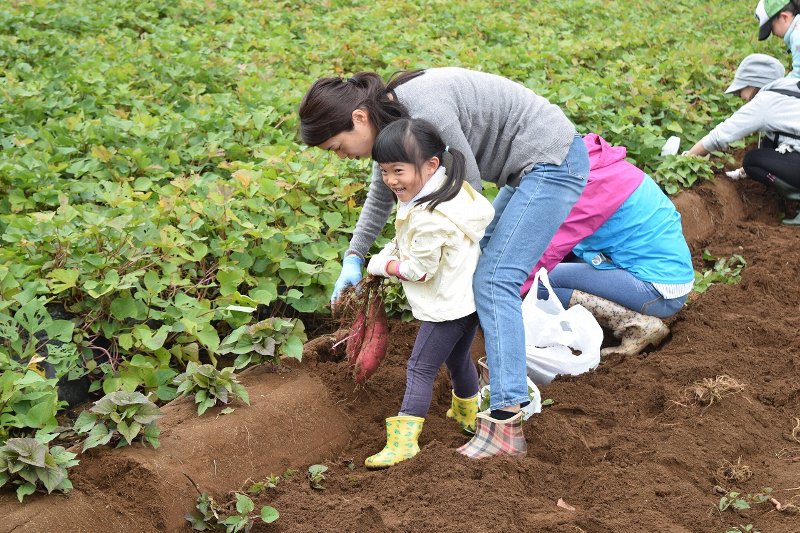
(780, 18)
(773, 109)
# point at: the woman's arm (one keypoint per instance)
(374, 214)
(749, 118)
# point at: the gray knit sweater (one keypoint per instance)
(502, 128)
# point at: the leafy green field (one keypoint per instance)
(156, 207)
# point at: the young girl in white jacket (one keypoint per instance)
(439, 223)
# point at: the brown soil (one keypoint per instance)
(633, 446)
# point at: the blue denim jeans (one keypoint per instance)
(526, 218)
(613, 284)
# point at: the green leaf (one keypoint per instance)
(229, 280)
(29, 451)
(25, 489)
(241, 393)
(60, 280)
(293, 347)
(269, 514)
(333, 219)
(125, 341)
(60, 330)
(150, 339)
(98, 436)
(244, 505)
(126, 307)
(84, 422)
(740, 504)
(240, 308)
(209, 338)
(52, 478)
(125, 431)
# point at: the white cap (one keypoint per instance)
(756, 70)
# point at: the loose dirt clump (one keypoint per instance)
(735, 472)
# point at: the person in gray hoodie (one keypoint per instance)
(772, 108)
(508, 135)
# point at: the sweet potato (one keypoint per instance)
(355, 337)
(376, 340)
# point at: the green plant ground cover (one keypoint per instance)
(155, 204)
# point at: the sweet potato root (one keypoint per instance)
(355, 338)
(373, 350)
(364, 316)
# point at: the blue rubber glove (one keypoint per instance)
(351, 275)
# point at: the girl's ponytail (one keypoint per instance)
(455, 168)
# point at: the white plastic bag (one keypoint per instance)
(558, 341)
(671, 147)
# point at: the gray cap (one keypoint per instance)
(756, 70)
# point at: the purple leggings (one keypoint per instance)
(440, 342)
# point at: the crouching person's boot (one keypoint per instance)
(402, 434)
(496, 437)
(637, 331)
(463, 411)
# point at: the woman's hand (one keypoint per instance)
(350, 275)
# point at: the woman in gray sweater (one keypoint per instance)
(510, 136)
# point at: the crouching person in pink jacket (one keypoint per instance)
(633, 264)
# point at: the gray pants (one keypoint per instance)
(440, 342)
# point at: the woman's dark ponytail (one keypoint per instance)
(327, 108)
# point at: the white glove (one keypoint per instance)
(671, 146)
(737, 174)
(378, 263)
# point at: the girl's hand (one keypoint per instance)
(378, 265)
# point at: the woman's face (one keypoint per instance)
(748, 93)
(782, 23)
(356, 143)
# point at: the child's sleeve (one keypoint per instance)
(431, 232)
(389, 249)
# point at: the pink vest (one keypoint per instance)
(611, 181)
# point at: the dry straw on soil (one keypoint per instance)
(710, 390)
(735, 472)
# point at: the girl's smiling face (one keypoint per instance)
(405, 180)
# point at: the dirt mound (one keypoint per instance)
(142, 489)
(638, 445)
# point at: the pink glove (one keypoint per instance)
(378, 263)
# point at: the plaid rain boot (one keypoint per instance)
(402, 433)
(463, 411)
(636, 330)
(496, 437)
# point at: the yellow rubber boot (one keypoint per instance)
(463, 411)
(402, 433)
